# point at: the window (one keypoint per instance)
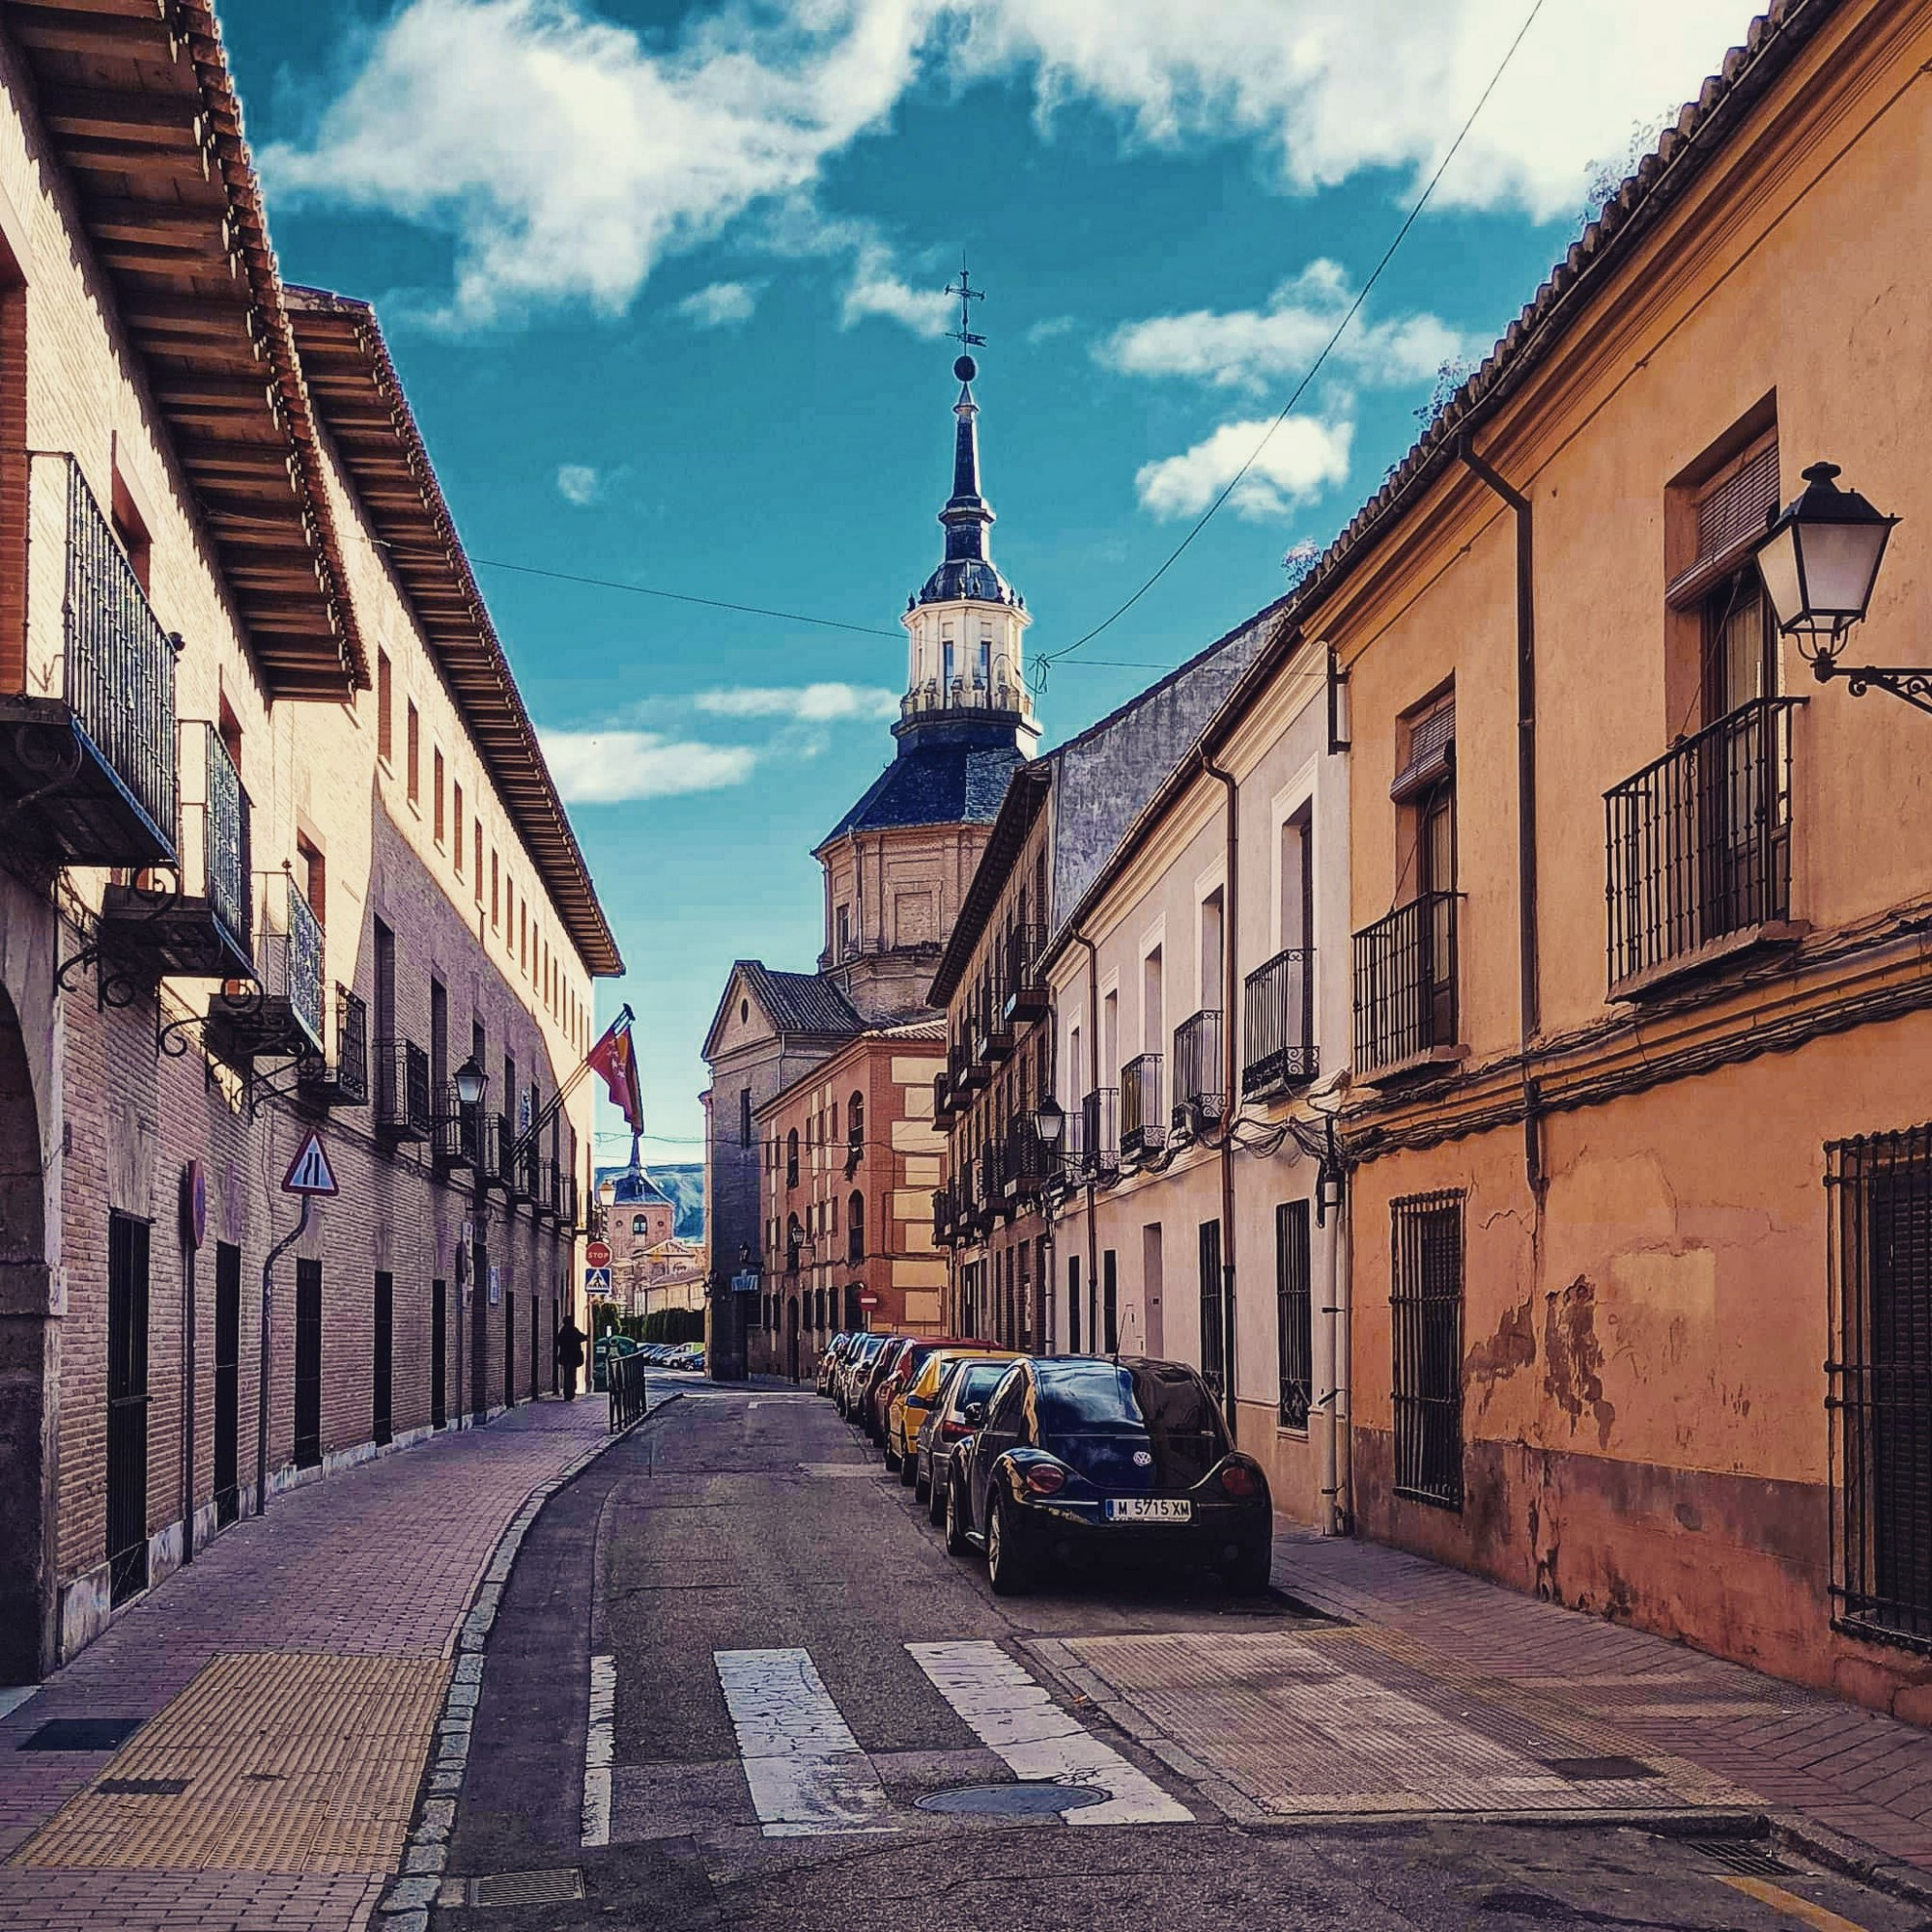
(844, 947)
(496, 880)
(130, 529)
(436, 800)
(1074, 1304)
(639, 1225)
(1213, 1345)
(1293, 1313)
(1882, 1397)
(412, 755)
(1213, 939)
(477, 826)
(1110, 1309)
(1425, 1327)
(855, 1122)
(855, 1228)
(744, 1117)
(312, 876)
(456, 825)
(386, 722)
(385, 959)
(791, 1157)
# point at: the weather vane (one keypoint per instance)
(968, 295)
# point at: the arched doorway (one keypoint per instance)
(25, 1596)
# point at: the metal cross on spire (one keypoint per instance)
(968, 295)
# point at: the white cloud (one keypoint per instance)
(721, 305)
(809, 704)
(577, 483)
(1303, 458)
(1256, 347)
(614, 767)
(567, 154)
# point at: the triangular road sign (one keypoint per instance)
(309, 1173)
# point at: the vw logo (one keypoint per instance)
(1141, 1459)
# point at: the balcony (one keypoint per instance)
(1200, 1078)
(1405, 1014)
(403, 1111)
(1143, 1125)
(1023, 1170)
(202, 930)
(343, 1081)
(1699, 851)
(970, 1071)
(942, 1217)
(1025, 983)
(550, 1189)
(992, 1178)
(992, 1032)
(1278, 1024)
(942, 1102)
(456, 1132)
(525, 1170)
(566, 1198)
(280, 1013)
(95, 765)
(1003, 695)
(500, 1138)
(1099, 1133)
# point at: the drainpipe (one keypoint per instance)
(1230, 966)
(1093, 1086)
(1528, 999)
(1336, 1438)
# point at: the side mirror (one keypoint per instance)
(974, 1413)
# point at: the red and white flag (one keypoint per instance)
(616, 1060)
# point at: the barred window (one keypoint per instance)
(1214, 1360)
(1881, 1383)
(1293, 1313)
(1425, 1333)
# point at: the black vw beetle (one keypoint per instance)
(1082, 1454)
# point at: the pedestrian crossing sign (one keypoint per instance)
(310, 1173)
(597, 1281)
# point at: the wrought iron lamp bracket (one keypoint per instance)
(1911, 683)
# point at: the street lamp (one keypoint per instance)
(1049, 1122)
(470, 1081)
(1819, 562)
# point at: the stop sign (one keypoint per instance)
(597, 1254)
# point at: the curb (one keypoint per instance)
(411, 1891)
(1849, 1856)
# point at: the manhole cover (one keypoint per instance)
(529, 1888)
(142, 1787)
(1599, 1770)
(82, 1734)
(1014, 1801)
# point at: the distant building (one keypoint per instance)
(896, 870)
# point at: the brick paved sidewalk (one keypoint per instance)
(378, 1565)
(1806, 1757)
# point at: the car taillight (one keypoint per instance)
(1045, 1479)
(1241, 1481)
(950, 1431)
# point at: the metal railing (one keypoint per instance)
(1278, 1022)
(118, 665)
(344, 1080)
(1099, 1132)
(456, 1130)
(1200, 1080)
(226, 842)
(1003, 693)
(500, 1137)
(624, 1377)
(566, 1199)
(290, 958)
(992, 1032)
(402, 1088)
(992, 1176)
(942, 1215)
(1406, 1003)
(1143, 1123)
(942, 1100)
(1025, 1165)
(1699, 841)
(1025, 983)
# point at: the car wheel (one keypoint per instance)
(892, 1455)
(922, 1484)
(908, 1469)
(956, 1522)
(1008, 1569)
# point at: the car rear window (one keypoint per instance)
(977, 1380)
(1087, 1410)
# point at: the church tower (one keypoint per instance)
(898, 865)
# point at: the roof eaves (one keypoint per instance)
(1026, 795)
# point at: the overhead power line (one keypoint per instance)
(1042, 665)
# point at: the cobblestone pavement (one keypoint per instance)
(376, 1563)
(1802, 1754)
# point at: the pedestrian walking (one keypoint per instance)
(569, 1356)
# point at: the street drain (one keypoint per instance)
(1014, 1801)
(82, 1734)
(1599, 1770)
(1739, 1855)
(142, 1787)
(527, 1887)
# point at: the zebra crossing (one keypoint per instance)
(806, 1775)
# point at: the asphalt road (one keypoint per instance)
(797, 1664)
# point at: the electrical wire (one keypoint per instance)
(1042, 665)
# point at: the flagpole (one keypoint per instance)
(624, 1021)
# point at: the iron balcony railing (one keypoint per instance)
(456, 1130)
(1025, 982)
(942, 1100)
(402, 1089)
(1406, 1002)
(1699, 841)
(1143, 1123)
(226, 842)
(290, 958)
(1200, 1079)
(992, 1032)
(942, 1216)
(524, 1166)
(118, 664)
(344, 1080)
(1025, 1165)
(992, 1176)
(1100, 1132)
(1278, 1022)
(1003, 693)
(1066, 1163)
(500, 1139)
(566, 1199)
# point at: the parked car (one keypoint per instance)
(859, 1408)
(835, 1350)
(605, 1347)
(914, 1388)
(1086, 1454)
(894, 1382)
(687, 1355)
(844, 1383)
(958, 1409)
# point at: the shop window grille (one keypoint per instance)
(1294, 1322)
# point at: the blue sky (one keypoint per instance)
(662, 282)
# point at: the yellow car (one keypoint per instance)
(913, 1405)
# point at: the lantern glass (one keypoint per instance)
(470, 1081)
(1049, 1122)
(1820, 557)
